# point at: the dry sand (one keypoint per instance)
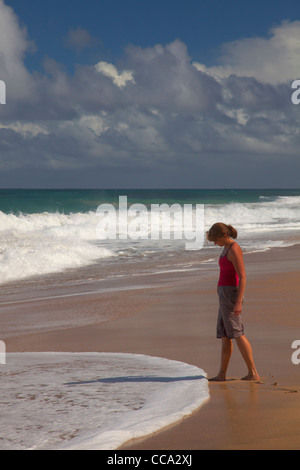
(178, 322)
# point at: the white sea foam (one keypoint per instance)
(36, 244)
(93, 400)
(251, 218)
(42, 243)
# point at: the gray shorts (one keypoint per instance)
(228, 325)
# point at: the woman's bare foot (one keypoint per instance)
(253, 377)
(218, 378)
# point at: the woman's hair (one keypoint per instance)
(218, 230)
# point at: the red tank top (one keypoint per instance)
(228, 274)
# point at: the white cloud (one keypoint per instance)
(274, 59)
(109, 70)
(26, 129)
(13, 46)
(177, 117)
(94, 123)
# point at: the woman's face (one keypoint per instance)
(221, 241)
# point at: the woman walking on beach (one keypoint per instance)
(231, 289)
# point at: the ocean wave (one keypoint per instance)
(37, 244)
(49, 242)
(280, 214)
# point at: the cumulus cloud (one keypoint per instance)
(26, 129)
(109, 70)
(14, 44)
(274, 59)
(155, 113)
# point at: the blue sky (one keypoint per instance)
(203, 25)
(165, 93)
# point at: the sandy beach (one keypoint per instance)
(177, 321)
(136, 144)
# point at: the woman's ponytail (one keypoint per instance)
(232, 231)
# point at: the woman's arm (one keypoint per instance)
(235, 255)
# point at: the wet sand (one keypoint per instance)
(177, 321)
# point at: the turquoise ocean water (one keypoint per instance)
(28, 201)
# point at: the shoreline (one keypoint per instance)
(178, 322)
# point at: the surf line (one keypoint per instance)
(75, 294)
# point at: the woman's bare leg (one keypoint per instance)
(225, 359)
(246, 351)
